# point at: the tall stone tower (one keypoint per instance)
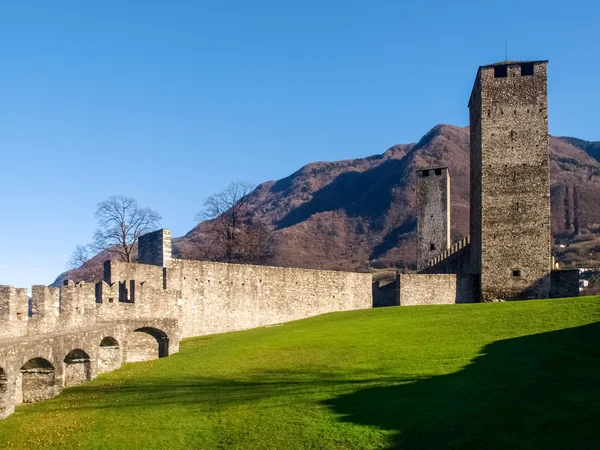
(433, 214)
(510, 180)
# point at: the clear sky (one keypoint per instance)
(170, 101)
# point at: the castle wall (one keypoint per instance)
(433, 214)
(37, 367)
(220, 297)
(141, 311)
(455, 260)
(434, 289)
(509, 116)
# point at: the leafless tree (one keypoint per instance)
(231, 233)
(81, 258)
(121, 221)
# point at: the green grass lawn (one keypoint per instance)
(504, 375)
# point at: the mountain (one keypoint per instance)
(592, 148)
(359, 213)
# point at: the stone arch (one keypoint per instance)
(77, 368)
(147, 343)
(109, 355)
(37, 381)
(3, 393)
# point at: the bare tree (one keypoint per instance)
(231, 233)
(81, 258)
(121, 221)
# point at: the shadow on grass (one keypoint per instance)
(537, 391)
(212, 394)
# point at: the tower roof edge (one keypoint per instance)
(507, 62)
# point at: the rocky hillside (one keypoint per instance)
(352, 214)
(591, 148)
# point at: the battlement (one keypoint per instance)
(140, 311)
(433, 172)
(79, 305)
(14, 303)
(455, 260)
(451, 251)
(508, 73)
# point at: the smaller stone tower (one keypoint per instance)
(433, 214)
(155, 248)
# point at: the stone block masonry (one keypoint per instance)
(434, 289)
(508, 251)
(155, 248)
(220, 297)
(455, 260)
(510, 180)
(433, 214)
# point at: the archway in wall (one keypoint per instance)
(109, 355)
(37, 381)
(78, 368)
(3, 393)
(147, 343)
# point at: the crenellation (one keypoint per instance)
(76, 300)
(45, 302)
(79, 330)
(14, 304)
(7, 306)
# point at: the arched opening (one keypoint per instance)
(3, 394)
(37, 381)
(147, 343)
(109, 355)
(78, 368)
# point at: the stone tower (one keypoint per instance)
(510, 181)
(155, 248)
(433, 214)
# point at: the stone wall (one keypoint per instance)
(433, 214)
(510, 204)
(475, 202)
(34, 368)
(434, 289)
(219, 297)
(141, 311)
(455, 260)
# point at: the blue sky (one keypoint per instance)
(170, 101)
